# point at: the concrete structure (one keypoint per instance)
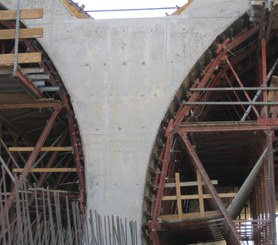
(121, 76)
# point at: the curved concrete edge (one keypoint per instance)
(206, 9)
(121, 76)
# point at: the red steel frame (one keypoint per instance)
(77, 159)
(32, 158)
(71, 122)
(234, 239)
(57, 105)
(176, 127)
(49, 164)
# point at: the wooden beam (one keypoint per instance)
(196, 196)
(200, 191)
(178, 193)
(24, 14)
(6, 98)
(45, 148)
(9, 70)
(46, 170)
(182, 8)
(31, 104)
(207, 215)
(188, 183)
(23, 58)
(23, 33)
(75, 11)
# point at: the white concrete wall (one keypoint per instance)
(121, 76)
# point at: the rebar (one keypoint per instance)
(55, 219)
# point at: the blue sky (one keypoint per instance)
(131, 4)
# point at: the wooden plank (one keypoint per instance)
(200, 191)
(23, 58)
(9, 71)
(23, 33)
(45, 148)
(24, 14)
(188, 183)
(178, 193)
(195, 197)
(207, 215)
(47, 170)
(222, 195)
(6, 98)
(183, 197)
(74, 10)
(31, 104)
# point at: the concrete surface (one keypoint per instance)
(121, 76)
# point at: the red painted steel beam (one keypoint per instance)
(26, 83)
(212, 67)
(271, 176)
(227, 126)
(77, 159)
(26, 170)
(1, 135)
(157, 174)
(241, 85)
(234, 238)
(234, 61)
(242, 38)
(156, 178)
(168, 207)
(33, 104)
(234, 92)
(266, 203)
(208, 74)
(160, 189)
(55, 81)
(264, 74)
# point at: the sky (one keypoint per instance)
(131, 4)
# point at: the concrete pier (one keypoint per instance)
(121, 76)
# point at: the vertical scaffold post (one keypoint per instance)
(16, 36)
(264, 75)
(271, 186)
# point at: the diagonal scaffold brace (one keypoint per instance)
(233, 236)
(32, 158)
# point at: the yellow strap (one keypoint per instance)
(74, 10)
(181, 9)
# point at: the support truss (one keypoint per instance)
(221, 83)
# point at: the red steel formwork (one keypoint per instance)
(237, 80)
(39, 133)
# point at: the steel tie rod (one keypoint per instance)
(233, 89)
(270, 103)
(260, 91)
